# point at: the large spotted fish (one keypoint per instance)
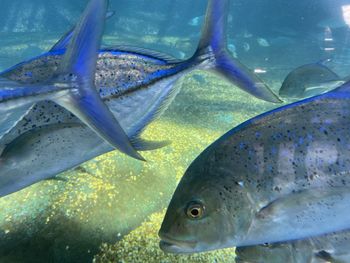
(135, 84)
(281, 176)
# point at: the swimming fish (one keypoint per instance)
(246, 47)
(263, 42)
(71, 84)
(137, 85)
(232, 48)
(281, 176)
(196, 21)
(309, 80)
(332, 248)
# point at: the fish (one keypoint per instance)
(246, 47)
(72, 84)
(309, 80)
(262, 42)
(332, 248)
(196, 21)
(281, 176)
(136, 84)
(232, 49)
(247, 34)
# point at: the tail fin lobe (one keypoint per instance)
(214, 30)
(78, 68)
(213, 44)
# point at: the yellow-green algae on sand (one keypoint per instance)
(141, 246)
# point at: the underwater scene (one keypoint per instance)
(175, 131)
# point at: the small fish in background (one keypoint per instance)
(332, 248)
(135, 84)
(281, 176)
(196, 21)
(263, 42)
(309, 80)
(246, 47)
(232, 49)
(247, 34)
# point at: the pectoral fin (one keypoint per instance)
(317, 200)
(144, 145)
(301, 214)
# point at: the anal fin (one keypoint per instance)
(303, 214)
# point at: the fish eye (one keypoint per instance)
(195, 210)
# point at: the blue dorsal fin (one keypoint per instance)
(78, 68)
(64, 41)
(146, 52)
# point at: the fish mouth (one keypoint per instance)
(171, 245)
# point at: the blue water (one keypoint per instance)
(107, 198)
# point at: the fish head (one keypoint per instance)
(200, 216)
(191, 226)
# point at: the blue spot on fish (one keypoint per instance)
(29, 74)
(257, 135)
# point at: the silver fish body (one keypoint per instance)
(49, 130)
(281, 176)
(116, 71)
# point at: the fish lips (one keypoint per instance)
(170, 245)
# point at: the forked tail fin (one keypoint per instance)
(213, 44)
